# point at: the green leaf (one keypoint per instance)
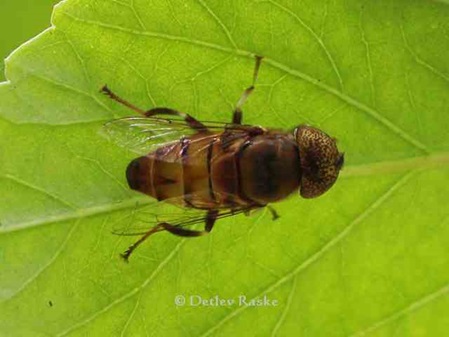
(27, 17)
(368, 258)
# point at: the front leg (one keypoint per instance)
(237, 114)
(190, 121)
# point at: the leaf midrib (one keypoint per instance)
(435, 161)
(78, 214)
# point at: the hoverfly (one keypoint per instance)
(221, 169)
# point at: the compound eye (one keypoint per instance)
(320, 161)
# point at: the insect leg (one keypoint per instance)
(274, 214)
(125, 255)
(211, 216)
(192, 122)
(237, 114)
(105, 90)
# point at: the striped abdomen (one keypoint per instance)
(201, 172)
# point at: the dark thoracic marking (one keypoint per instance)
(238, 157)
(185, 142)
(209, 176)
(210, 219)
(266, 173)
(158, 154)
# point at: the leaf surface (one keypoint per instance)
(367, 258)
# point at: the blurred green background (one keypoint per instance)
(21, 20)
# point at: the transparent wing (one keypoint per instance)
(143, 219)
(144, 134)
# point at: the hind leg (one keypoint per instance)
(210, 219)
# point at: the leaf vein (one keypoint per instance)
(318, 39)
(127, 296)
(348, 99)
(58, 252)
(321, 252)
(419, 60)
(73, 89)
(412, 307)
(131, 316)
(137, 16)
(219, 22)
(285, 310)
(368, 57)
(78, 213)
(40, 190)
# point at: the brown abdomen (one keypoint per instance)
(181, 173)
(200, 172)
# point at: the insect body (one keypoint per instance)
(227, 170)
(222, 169)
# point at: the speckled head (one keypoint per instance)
(320, 161)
